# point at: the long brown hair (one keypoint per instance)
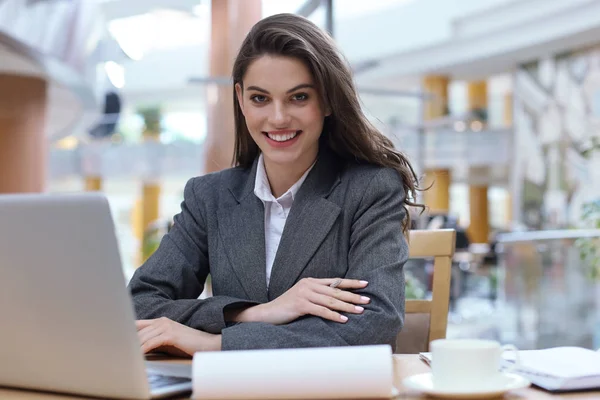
(347, 132)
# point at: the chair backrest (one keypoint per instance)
(426, 320)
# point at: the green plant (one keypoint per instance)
(150, 243)
(589, 247)
(152, 119)
(413, 288)
(153, 236)
(481, 114)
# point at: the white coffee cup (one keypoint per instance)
(468, 365)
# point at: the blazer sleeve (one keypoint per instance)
(169, 282)
(377, 253)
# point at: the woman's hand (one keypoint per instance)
(309, 296)
(167, 336)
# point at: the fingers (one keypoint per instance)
(344, 295)
(328, 302)
(143, 323)
(154, 343)
(343, 283)
(335, 305)
(147, 333)
(326, 313)
(153, 333)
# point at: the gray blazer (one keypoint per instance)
(345, 222)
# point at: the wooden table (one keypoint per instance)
(404, 366)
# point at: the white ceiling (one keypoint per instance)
(370, 31)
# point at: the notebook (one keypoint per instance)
(554, 369)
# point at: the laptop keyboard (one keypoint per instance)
(160, 381)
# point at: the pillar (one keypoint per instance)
(479, 226)
(23, 107)
(231, 20)
(93, 183)
(478, 207)
(148, 210)
(437, 197)
(151, 186)
(150, 203)
(477, 95)
(91, 154)
(508, 122)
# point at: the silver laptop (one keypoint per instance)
(67, 319)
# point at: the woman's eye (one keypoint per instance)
(300, 97)
(258, 98)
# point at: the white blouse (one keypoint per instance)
(276, 211)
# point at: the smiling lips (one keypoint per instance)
(282, 138)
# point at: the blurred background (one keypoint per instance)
(496, 103)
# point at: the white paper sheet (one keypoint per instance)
(315, 373)
(560, 362)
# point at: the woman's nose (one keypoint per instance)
(280, 116)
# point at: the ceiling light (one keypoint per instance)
(115, 73)
(201, 10)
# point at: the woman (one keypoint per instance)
(317, 194)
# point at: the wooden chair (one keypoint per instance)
(426, 320)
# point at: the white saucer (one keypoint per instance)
(424, 383)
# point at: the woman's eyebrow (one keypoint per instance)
(257, 89)
(300, 86)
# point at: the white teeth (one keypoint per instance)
(282, 138)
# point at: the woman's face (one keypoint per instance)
(283, 110)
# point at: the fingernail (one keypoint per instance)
(365, 298)
(364, 282)
(359, 308)
(344, 318)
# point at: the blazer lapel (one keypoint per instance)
(242, 230)
(310, 220)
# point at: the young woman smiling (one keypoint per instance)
(305, 237)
